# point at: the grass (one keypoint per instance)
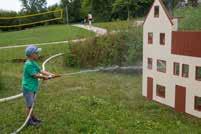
(89, 103)
(93, 103)
(191, 18)
(114, 26)
(43, 35)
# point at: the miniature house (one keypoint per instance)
(171, 62)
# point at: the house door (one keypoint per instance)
(180, 98)
(150, 88)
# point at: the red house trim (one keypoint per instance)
(186, 43)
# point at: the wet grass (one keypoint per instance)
(87, 103)
(94, 103)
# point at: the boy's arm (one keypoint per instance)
(46, 73)
(39, 76)
(51, 75)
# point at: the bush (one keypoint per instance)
(97, 51)
(123, 48)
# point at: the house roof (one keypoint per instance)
(164, 8)
(186, 43)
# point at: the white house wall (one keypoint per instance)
(163, 52)
(193, 87)
(156, 51)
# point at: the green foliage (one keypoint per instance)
(134, 42)
(26, 20)
(123, 9)
(123, 48)
(96, 51)
(73, 7)
(107, 10)
(191, 18)
(102, 9)
(34, 6)
(85, 7)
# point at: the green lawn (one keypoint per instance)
(89, 103)
(94, 103)
(43, 35)
(113, 26)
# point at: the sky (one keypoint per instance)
(15, 5)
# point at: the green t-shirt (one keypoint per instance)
(29, 83)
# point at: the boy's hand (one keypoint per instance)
(46, 78)
(52, 76)
(56, 75)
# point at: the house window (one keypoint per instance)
(197, 105)
(185, 70)
(150, 61)
(161, 66)
(162, 38)
(176, 68)
(160, 91)
(156, 11)
(150, 38)
(198, 73)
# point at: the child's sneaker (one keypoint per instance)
(36, 120)
(31, 123)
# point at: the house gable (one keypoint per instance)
(162, 6)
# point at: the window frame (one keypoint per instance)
(156, 11)
(196, 71)
(162, 39)
(197, 107)
(150, 38)
(150, 67)
(159, 92)
(183, 71)
(174, 69)
(165, 66)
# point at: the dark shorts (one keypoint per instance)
(29, 98)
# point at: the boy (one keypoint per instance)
(31, 73)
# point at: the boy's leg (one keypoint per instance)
(29, 98)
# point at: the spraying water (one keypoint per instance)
(106, 69)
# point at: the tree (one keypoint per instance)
(194, 3)
(32, 6)
(124, 9)
(102, 9)
(143, 7)
(72, 9)
(85, 7)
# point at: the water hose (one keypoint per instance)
(11, 98)
(21, 94)
(43, 68)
